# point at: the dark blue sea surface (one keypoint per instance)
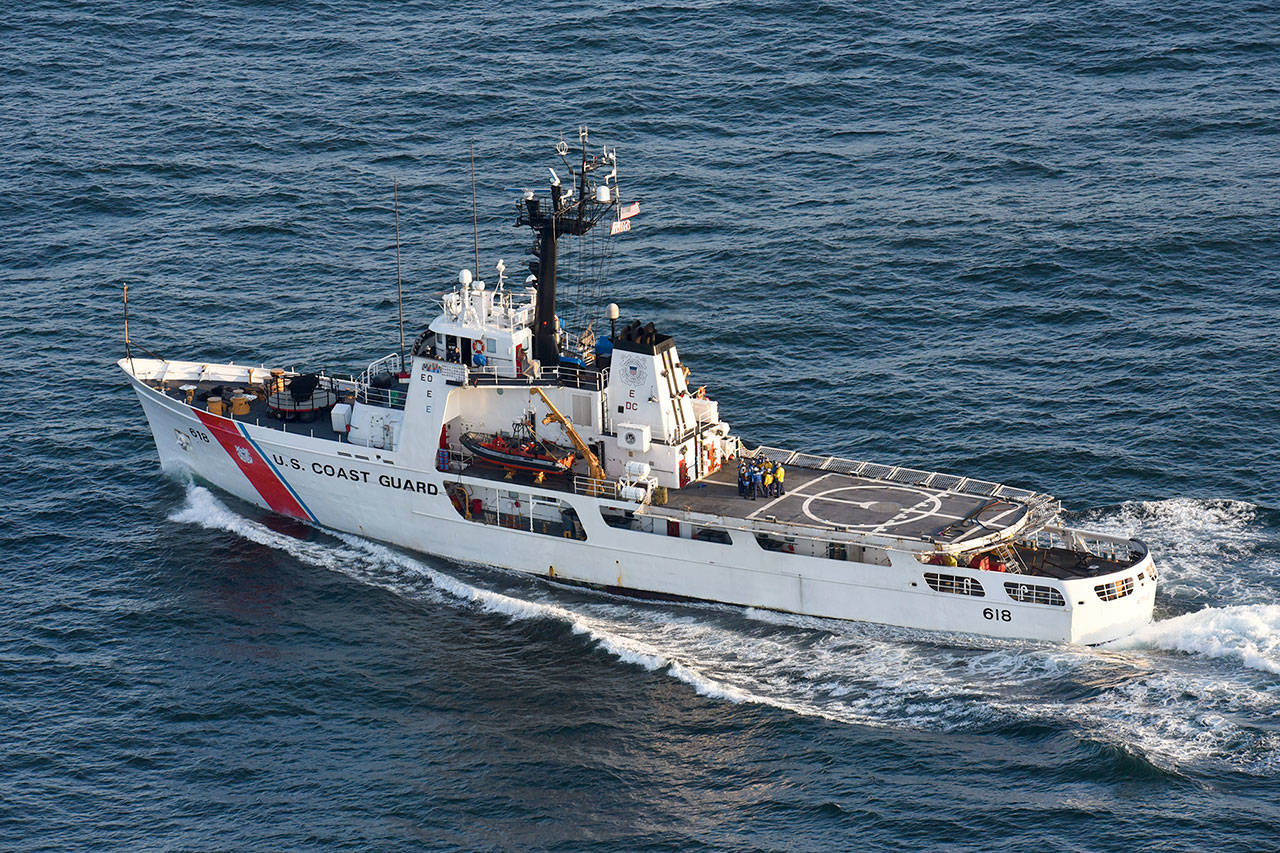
(1033, 244)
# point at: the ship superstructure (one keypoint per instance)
(503, 438)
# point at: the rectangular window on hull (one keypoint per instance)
(955, 584)
(845, 552)
(1029, 593)
(776, 544)
(627, 520)
(516, 510)
(623, 519)
(711, 534)
(1115, 589)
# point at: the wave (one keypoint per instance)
(1208, 551)
(1127, 695)
(1189, 525)
(376, 564)
(1248, 633)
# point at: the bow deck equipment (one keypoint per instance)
(522, 434)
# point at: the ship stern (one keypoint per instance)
(1109, 607)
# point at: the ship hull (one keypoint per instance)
(375, 494)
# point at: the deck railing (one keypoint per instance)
(594, 487)
(1114, 548)
(564, 375)
(367, 392)
(455, 461)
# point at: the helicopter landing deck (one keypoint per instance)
(835, 501)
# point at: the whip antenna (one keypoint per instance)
(475, 226)
(395, 191)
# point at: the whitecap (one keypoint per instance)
(1249, 633)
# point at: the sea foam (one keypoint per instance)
(882, 676)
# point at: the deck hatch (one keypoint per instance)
(955, 584)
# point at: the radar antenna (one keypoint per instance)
(564, 214)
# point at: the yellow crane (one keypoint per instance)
(593, 463)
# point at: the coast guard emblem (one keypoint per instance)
(634, 374)
(245, 456)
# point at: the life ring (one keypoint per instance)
(477, 346)
(789, 548)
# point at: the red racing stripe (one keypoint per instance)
(253, 466)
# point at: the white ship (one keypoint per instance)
(501, 438)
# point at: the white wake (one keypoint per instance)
(375, 564)
(1185, 689)
(1248, 633)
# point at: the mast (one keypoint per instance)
(395, 190)
(561, 216)
(128, 347)
(545, 250)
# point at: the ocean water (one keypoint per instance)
(1033, 245)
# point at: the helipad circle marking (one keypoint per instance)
(890, 510)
